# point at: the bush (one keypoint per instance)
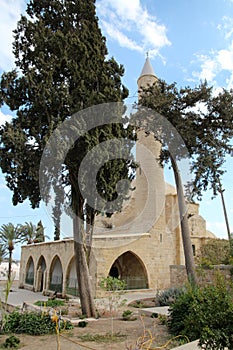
(32, 323)
(205, 314)
(12, 342)
(214, 252)
(127, 315)
(168, 296)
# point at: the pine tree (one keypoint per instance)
(204, 123)
(61, 68)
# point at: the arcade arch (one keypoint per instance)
(29, 279)
(130, 268)
(71, 279)
(56, 275)
(41, 270)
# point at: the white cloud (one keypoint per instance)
(132, 26)
(217, 61)
(120, 37)
(225, 59)
(4, 118)
(9, 15)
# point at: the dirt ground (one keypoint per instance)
(131, 330)
(129, 333)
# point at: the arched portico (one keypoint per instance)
(130, 268)
(56, 275)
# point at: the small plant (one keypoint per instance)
(12, 342)
(82, 324)
(163, 319)
(114, 288)
(154, 315)
(65, 311)
(137, 304)
(127, 315)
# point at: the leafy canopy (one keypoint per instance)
(61, 68)
(203, 120)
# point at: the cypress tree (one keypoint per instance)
(61, 68)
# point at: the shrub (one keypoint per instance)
(168, 296)
(127, 315)
(32, 323)
(205, 314)
(214, 252)
(12, 342)
(82, 324)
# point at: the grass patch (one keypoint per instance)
(103, 338)
(50, 303)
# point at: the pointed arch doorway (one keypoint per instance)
(130, 268)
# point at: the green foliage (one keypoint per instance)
(207, 132)
(114, 288)
(31, 233)
(103, 338)
(205, 314)
(163, 319)
(138, 304)
(62, 68)
(50, 303)
(168, 296)
(82, 324)
(127, 315)
(214, 252)
(10, 235)
(12, 342)
(112, 284)
(32, 323)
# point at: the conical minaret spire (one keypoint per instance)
(147, 76)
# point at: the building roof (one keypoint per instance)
(147, 68)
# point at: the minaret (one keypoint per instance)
(147, 77)
(150, 177)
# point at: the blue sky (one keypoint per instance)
(188, 41)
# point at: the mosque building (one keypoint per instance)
(140, 244)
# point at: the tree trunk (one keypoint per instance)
(90, 220)
(9, 265)
(183, 210)
(83, 277)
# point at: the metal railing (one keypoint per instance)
(56, 284)
(72, 287)
(29, 278)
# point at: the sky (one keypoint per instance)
(187, 42)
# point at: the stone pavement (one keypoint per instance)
(18, 296)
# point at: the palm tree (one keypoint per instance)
(31, 233)
(2, 253)
(9, 236)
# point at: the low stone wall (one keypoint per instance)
(205, 276)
